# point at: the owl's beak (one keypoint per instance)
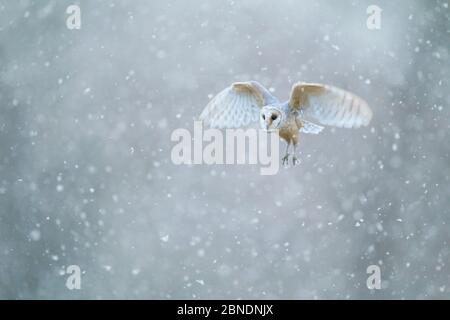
(268, 130)
(268, 123)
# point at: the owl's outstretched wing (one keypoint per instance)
(236, 106)
(330, 105)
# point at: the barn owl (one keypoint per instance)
(245, 102)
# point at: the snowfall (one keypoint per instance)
(87, 180)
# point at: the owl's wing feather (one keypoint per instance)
(330, 105)
(236, 106)
(309, 127)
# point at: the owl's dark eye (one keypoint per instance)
(274, 116)
(264, 116)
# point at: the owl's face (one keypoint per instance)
(270, 118)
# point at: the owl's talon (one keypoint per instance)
(295, 161)
(285, 160)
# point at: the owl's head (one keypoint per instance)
(270, 118)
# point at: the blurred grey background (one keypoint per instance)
(86, 176)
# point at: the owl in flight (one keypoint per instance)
(245, 102)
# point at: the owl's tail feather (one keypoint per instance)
(309, 127)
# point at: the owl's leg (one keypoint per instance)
(285, 159)
(295, 160)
